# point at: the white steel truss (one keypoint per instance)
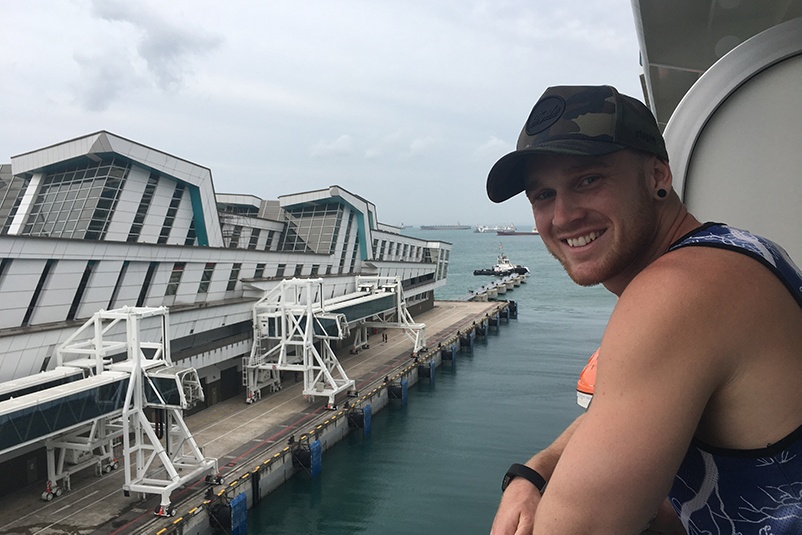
(293, 327)
(158, 457)
(291, 333)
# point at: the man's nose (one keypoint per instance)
(566, 210)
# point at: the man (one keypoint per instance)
(697, 396)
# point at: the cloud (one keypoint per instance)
(423, 145)
(103, 79)
(166, 48)
(343, 145)
(493, 148)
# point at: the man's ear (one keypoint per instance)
(661, 175)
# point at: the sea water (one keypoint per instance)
(435, 466)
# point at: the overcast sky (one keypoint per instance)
(406, 103)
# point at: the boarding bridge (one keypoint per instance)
(293, 326)
(123, 364)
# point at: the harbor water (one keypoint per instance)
(435, 465)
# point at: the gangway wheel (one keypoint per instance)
(51, 491)
(164, 511)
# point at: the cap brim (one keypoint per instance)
(507, 178)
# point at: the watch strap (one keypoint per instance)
(521, 470)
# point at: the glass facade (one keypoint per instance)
(11, 190)
(77, 202)
(312, 228)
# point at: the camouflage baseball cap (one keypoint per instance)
(580, 120)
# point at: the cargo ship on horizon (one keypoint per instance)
(445, 227)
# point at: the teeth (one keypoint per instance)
(583, 240)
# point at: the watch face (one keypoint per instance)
(506, 481)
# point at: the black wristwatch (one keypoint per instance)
(521, 470)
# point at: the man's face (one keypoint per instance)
(596, 215)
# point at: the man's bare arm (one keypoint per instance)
(516, 512)
(658, 367)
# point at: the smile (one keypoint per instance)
(583, 240)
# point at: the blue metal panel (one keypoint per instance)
(197, 214)
(367, 414)
(316, 450)
(404, 391)
(239, 515)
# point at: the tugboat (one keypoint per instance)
(503, 267)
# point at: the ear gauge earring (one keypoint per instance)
(662, 193)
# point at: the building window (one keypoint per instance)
(312, 227)
(270, 235)
(142, 209)
(79, 293)
(254, 238)
(77, 202)
(354, 254)
(280, 270)
(233, 277)
(4, 263)
(345, 244)
(328, 269)
(236, 232)
(206, 278)
(12, 190)
(143, 292)
(175, 278)
(26, 320)
(259, 272)
(169, 219)
(315, 270)
(298, 269)
(190, 239)
(118, 285)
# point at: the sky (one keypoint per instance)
(406, 103)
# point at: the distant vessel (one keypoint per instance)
(503, 267)
(445, 227)
(495, 228)
(512, 231)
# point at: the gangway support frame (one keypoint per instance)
(293, 326)
(416, 332)
(150, 466)
(294, 316)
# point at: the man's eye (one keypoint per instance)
(541, 195)
(590, 179)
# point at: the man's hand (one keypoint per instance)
(516, 512)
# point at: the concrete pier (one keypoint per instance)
(251, 442)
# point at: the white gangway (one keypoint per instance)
(124, 359)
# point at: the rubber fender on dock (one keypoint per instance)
(301, 456)
(316, 457)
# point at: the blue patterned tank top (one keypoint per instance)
(723, 491)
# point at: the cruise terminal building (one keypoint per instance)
(101, 222)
